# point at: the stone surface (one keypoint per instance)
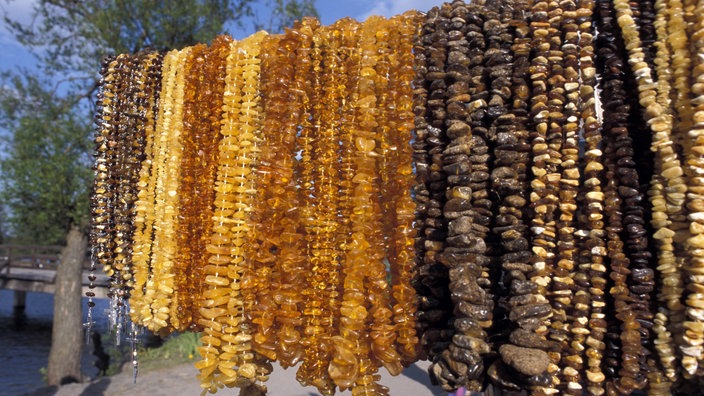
(527, 361)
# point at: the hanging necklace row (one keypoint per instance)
(466, 186)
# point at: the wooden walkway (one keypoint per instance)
(33, 269)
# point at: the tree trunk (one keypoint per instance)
(66, 335)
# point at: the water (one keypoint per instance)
(24, 352)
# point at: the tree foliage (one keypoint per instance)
(46, 113)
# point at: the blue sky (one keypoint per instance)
(14, 55)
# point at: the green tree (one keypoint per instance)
(47, 112)
(45, 175)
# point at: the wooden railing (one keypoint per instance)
(33, 268)
(29, 256)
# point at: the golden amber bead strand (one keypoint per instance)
(569, 282)
(401, 259)
(227, 353)
(291, 57)
(101, 227)
(214, 306)
(188, 201)
(144, 205)
(432, 284)
(382, 332)
(161, 288)
(344, 364)
(252, 368)
(202, 115)
(321, 259)
(304, 67)
(694, 330)
(219, 51)
(322, 226)
(382, 87)
(367, 253)
(266, 210)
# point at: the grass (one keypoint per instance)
(178, 348)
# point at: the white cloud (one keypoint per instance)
(388, 8)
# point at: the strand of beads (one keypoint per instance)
(668, 321)
(160, 288)
(100, 200)
(144, 204)
(670, 314)
(145, 207)
(320, 260)
(623, 333)
(559, 197)
(431, 282)
(227, 351)
(134, 156)
(592, 271)
(543, 197)
(322, 202)
(365, 255)
(202, 116)
(467, 208)
(292, 57)
(188, 202)
(124, 161)
(660, 122)
(344, 364)
(401, 259)
(381, 328)
(509, 180)
(694, 330)
(440, 328)
(266, 210)
(577, 300)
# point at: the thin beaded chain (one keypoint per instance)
(102, 190)
(144, 205)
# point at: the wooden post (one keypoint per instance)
(19, 302)
(67, 332)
